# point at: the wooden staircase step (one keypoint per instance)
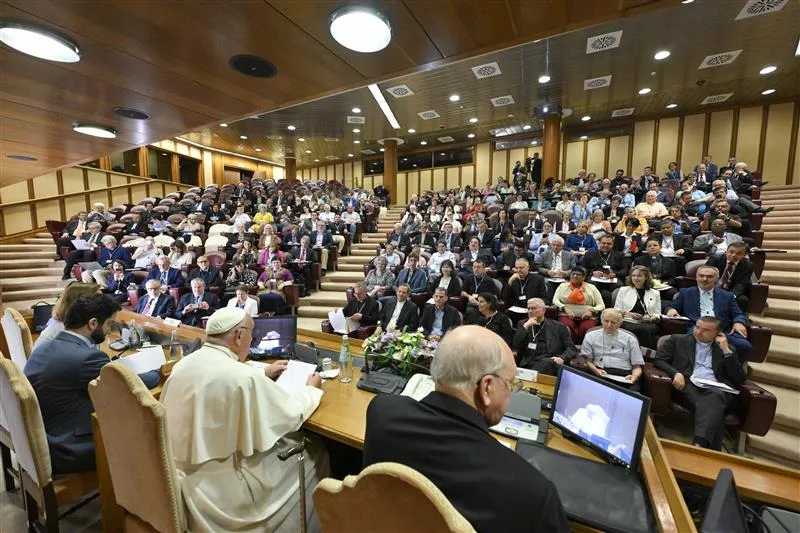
(778, 308)
(355, 259)
(345, 277)
(771, 236)
(353, 267)
(39, 293)
(330, 299)
(56, 269)
(39, 240)
(777, 443)
(780, 278)
(781, 244)
(368, 253)
(24, 306)
(37, 253)
(784, 291)
(364, 246)
(340, 286)
(784, 350)
(787, 377)
(50, 248)
(309, 324)
(314, 311)
(780, 326)
(787, 413)
(43, 235)
(28, 263)
(20, 283)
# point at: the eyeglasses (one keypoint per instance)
(514, 385)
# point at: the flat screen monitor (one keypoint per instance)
(605, 417)
(273, 336)
(724, 513)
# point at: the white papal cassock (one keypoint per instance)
(227, 423)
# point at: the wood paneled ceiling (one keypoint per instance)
(170, 59)
(689, 31)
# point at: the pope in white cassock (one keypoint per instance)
(227, 423)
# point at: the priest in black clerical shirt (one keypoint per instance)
(607, 264)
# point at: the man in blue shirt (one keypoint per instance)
(417, 278)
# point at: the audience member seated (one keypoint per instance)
(439, 317)
(565, 204)
(507, 260)
(542, 344)
(565, 226)
(74, 229)
(524, 285)
(191, 226)
(650, 209)
(422, 262)
(706, 299)
(446, 279)
(109, 253)
(363, 309)
(263, 216)
(640, 227)
(441, 255)
(555, 262)
(351, 218)
(662, 269)
(145, 256)
(580, 210)
(640, 306)
(338, 230)
(118, 282)
(485, 236)
(541, 241)
(716, 242)
(195, 305)
(60, 371)
(137, 225)
(271, 284)
(470, 255)
(164, 273)
(99, 214)
(629, 242)
(579, 302)
(704, 354)
(240, 275)
(246, 254)
(55, 324)
(400, 313)
(321, 241)
(379, 280)
(611, 351)
(737, 272)
(390, 256)
(492, 318)
(580, 241)
(155, 302)
(178, 254)
(244, 301)
(210, 275)
(605, 264)
(93, 237)
(451, 240)
(416, 278)
(599, 226)
(533, 225)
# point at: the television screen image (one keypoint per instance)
(273, 337)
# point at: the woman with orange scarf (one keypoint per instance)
(578, 302)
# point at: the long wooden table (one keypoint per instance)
(341, 416)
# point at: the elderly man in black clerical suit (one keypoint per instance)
(542, 344)
(445, 437)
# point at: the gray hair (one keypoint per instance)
(608, 311)
(109, 239)
(198, 281)
(556, 238)
(94, 225)
(152, 284)
(538, 302)
(460, 362)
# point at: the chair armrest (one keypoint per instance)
(658, 386)
(459, 302)
(292, 293)
(579, 363)
(671, 326)
(756, 408)
(760, 337)
(757, 295)
(755, 221)
(551, 312)
(683, 282)
(758, 238)
(326, 327)
(365, 331)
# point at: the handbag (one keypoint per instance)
(42, 312)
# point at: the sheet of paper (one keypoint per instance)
(556, 280)
(340, 323)
(419, 386)
(578, 309)
(677, 318)
(81, 244)
(430, 301)
(716, 384)
(143, 262)
(518, 309)
(527, 374)
(295, 376)
(602, 280)
(144, 360)
(619, 379)
(663, 287)
(172, 322)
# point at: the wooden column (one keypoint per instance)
(175, 169)
(390, 168)
(290, 168)
(552, 147)
(142, 169)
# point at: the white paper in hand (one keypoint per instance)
(81, 244)
(619, 379)
(518, 309)
(295, 376)
(144, 360)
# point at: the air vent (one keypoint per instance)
(274, 137)
(332, 139)
(717, 60)
(400, 91)
(486, 71)
(356, 120)
(716, 99)
(129, 112)
(368, 152)
(596, 83)
(446, 139)
(500, 101)
(600, 43)
(754, 8)
(428, 115)
(624, 112)
(16, 157)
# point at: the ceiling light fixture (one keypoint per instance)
(95, 130)
(383, 149)
(38, 41)
(584, 137)
(686, 1)
(258, 149)
(473, 120)
(767, 91)
(672, 106)
(533, 142)
(384, 105)
(223, 125)
(356, 110)
(423, 143)
(544, 78)
(356, 142)
(454, 98)
(768, 70)
(526, 127)
(243, 137)
(412, 130)
(586, 118)
(356, 130)
(645, 90)
(349, 155)
(471, 136)
(308, 151)
(661, 54)
(797, 50)
(290, 128)
(301, 139)
(316, 161)
(361, 29)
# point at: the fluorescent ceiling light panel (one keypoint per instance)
(384, 105)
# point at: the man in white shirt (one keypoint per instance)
(435, 262)
(392, 259)
(628, 199)
(228, 422)
(351, 218)
(651, 209)
(399, 312)
(613, 351)
(326, 215)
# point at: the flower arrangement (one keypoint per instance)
(407, 352)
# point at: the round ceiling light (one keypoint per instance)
(412, 130)
(301, 139)
(349, 155)
(356, 110)
(223, 125)
(586, 118)
(316, 161)
(243, 137)
(526, 127)
(661, 54)
(360, 29)
(768, 70)
(672, 106)
(258, 149)
(768, 91)
(644, 90)
(544, 78)
(584, 137)
(533, 142)
(308, 151)
(454, 98)
(95, 130)
(383, 149)
(423, 143)
(356, 142)
(38, 41)
(356, 130)
(290, 128)
(473, 120)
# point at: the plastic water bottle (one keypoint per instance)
(175, 349)
(345, 361)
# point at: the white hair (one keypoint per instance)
(460, 362)
(108, 239)
(556, 238)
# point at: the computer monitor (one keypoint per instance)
(273, 336)
(603, 416)
(724, 512)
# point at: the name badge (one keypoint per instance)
(522, 298)
(532, 346)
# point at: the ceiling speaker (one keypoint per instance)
(253, 66)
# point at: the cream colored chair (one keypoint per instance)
(215, 243)
(398, 498)
(18, 336)
(55, 497)
(134, 427)
(219, 229)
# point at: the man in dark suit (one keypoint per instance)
(400, 312)
(156, 303)
(364, 309)
(736, 272)
(321, 241)
(73, 230)
(508, 258)
(607, 264)
(484, 235)
(439, 318)
(703, 354)
(451, 240)
(445, 437)
(93, 237)
(674, 246)
(164, 273)
(398, 238)
(136, 226)
(706, 299)
(210, 275)
(60, 372)
(193, 306)
(542, 344)
(425, 239)
(522, 286)
(662, 268)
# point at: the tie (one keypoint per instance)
(726, 276)
(151, 305)
(163, 278)
(78, 230)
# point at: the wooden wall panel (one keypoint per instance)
(667, 144)
(72, 205)
(116, 179)
(574, 160)
(618, 154)
(439, 178)
(451, 180)
(467, 176)
(49, 210)
(719, 136)
(482, 170)
(402, 189)
(692, 143)
(95, 197)
(777, 146)
(278, 173)
(595, 156)
(17, 218)
(169, 187)
(15, 192)
(348, 175)
(425, 180)
(120, 196)
(208, 168)
(339, 170)
(499, 167)
(517, 154)
(642, 146)
(377, 180)
(366, 183)
(73, 180)
(138, 192)
(46, 185)
(413, 183)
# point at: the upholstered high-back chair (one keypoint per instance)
(18, 336)
(395, 496)
(144, 478)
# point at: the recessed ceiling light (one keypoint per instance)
(383, 149)
(544, 78)
(223, 125)
(471, 136)
(308, 151)
(301, 139)
(316, 161)
(163, 153)
(768, 91)
(526, 127)
(349, 155)
(38, 41)
(356, 142)
(290, 128)
(423, 143)
(360, 28)
(258, 149)
(686, 1)
(586, 118)
(533, 142)
(644, 90)
(584, 137)
(356, 110)
(95, 130)
(768, 70)
(243, 136)
(661, 54)
(473, 120)
(356, 130)
(412, 130)
(454, 98)
(545, 109)
(672, 106)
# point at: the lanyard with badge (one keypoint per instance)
(522, 296)
(478, 285)
(532, 344)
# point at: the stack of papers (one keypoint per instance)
(518, 309)
(144, 360)
(619, 379)
(602, 280)
(295, 376)
(555, 280)
(700, 382)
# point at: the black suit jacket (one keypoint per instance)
(448, 441)
(488, 239)
(138, 228)
(551, 341)
(427, 242)
(742, 276)
(678, 242)
(327, 240)
(165, 306)
(474, 285)
(369, 309)
(211, 276)
(677, 355)
(534, 288)
(455, 240)
(399, 241)
(509, 259)
(616, 260)
(451, 319)
(453, 288)
(194, 318)
(409, 316)
(668, 270)
(619, 243)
